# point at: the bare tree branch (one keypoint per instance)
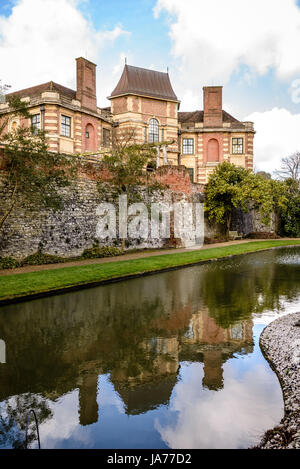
(290, 167)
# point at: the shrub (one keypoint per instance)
(262, 235)
(40, 258)
(97, 252)
(9, 263)
(215, 239)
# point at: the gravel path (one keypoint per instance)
(280, 343)
(126, 257)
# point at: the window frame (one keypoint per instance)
(153, 130)
(186, 146)
(191, 173)
(64, 126)
(36, 125)
(235, 144)
(105, 139)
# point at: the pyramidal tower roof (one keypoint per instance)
(144, 82)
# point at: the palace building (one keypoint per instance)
(144, 103)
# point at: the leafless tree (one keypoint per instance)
(290, 167)
(3, 89)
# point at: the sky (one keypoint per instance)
(250, 47)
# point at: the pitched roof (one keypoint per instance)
(194, 116)
(197, 116)
(39, 89)
(141, 81)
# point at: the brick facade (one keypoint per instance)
(199, 140)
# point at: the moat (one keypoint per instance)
(166, 361)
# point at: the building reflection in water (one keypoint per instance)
(150, 387)
(215, 345)
(144, 373)
(138, 333)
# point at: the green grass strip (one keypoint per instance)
(20, 285)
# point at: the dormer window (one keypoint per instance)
(153, 131)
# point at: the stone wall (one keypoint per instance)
(251, 222)
(69, 231)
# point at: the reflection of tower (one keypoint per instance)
(213, 371)
(88, 406)
(215, 344)
(2, 351)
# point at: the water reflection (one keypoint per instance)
(167, 360)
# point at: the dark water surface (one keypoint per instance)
(170, 360)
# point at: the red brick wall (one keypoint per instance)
(154, 107)
(212, 105)
(135, 104)
(177, 178)
(206, 138)
(90, 144)
(119, 104)
(86, 84)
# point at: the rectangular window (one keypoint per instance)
(145, 134)
(66, 126)
(191, 173)
(188, 146)
(36, 122)
(162, 135)
(106, 137)
(237, 146)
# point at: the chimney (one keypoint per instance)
(86, 84)
(212, 100)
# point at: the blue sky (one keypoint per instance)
(251, 47)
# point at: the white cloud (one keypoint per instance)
(212, 39)
(277, 136)
(41, 38)
(233, 417)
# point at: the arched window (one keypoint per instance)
(153, 131)
(13, 125)
(90, 144)
(213, 150)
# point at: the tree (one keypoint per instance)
(264, 174)
(230, 187)
(17, 106)
(13, 419)
(290, 216)
(32, 174)
(125, 167)
(221, 192)
(290, 167)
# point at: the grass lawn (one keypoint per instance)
(19, 285)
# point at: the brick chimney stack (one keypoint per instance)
(212, 100)
(86, 84)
